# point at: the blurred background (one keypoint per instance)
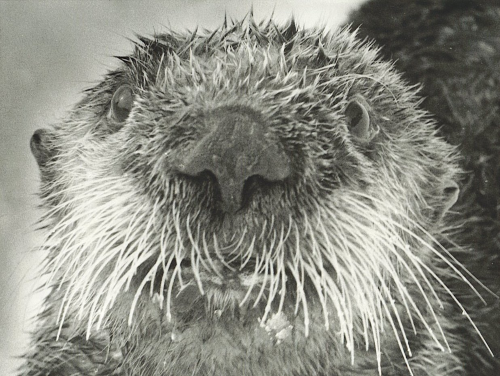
(49, 52)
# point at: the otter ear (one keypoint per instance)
(41, 146)
(450, 192)
(358, 118)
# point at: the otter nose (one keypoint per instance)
(237, 147)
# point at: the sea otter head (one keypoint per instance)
(253, 200)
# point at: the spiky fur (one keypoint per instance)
(345, 265)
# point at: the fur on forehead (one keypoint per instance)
(265, 47)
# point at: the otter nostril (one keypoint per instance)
(237, 147)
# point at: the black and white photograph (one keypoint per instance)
(250, 188)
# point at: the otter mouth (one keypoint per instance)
(221, 274)
(234, 284)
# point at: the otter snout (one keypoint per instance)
(238, 145)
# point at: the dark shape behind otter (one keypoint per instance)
(315, 241)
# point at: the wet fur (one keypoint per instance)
(347, 263)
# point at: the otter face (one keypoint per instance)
(260, 199)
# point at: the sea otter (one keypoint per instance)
(253, 200)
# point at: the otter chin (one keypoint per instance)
(254, 200)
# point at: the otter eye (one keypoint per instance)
(358, 119)
(121, 104)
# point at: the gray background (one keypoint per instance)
(49, 52)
